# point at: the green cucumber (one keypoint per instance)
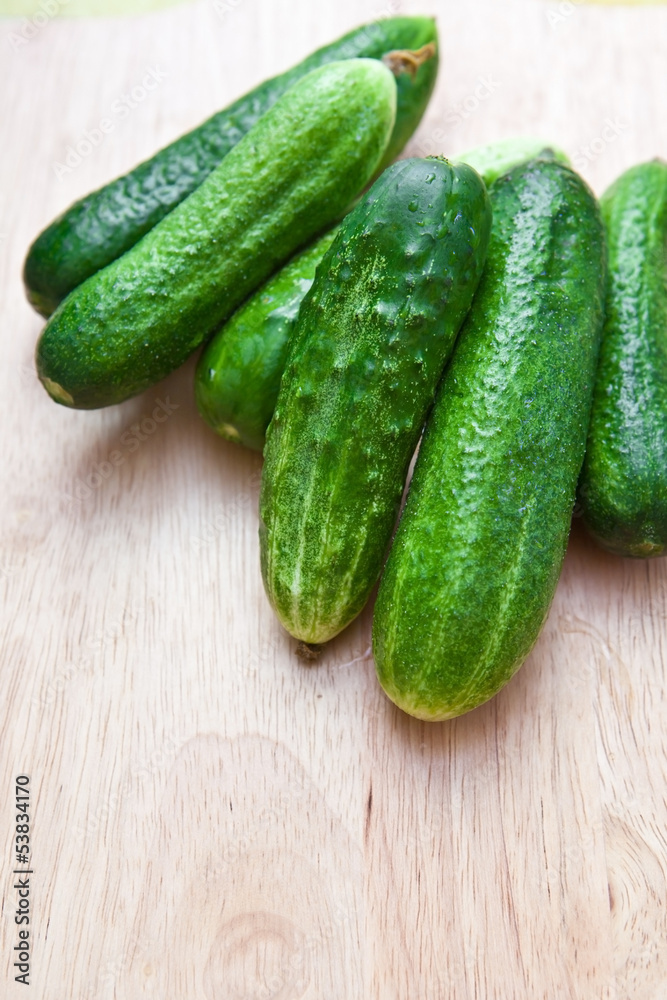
(238, 375)
(623, 487)
(479, 548)
(372, 337)
(494, 159)
(96, 230)
(239, 372)
(290, 177)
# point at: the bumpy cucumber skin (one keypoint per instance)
(97, 229)
(623, 486)
(494, 159)
(290, 177)
(370, 343)
(238, 375)
(479, 548)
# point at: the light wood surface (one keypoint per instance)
(212, 818)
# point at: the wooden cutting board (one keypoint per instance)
(211, 818)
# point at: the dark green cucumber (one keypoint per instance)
(494, 159)
(96, 230)
(623, 486)
(479, 548)
(372, 337)
(290, 177)
(238, 375)
(239, 372)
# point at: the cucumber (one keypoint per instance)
(290, 177)
(478, 551)
(494, 159)
(96, 230)
(623, 487)
(238, 375)
(372, 336)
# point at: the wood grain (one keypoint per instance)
(212, 817)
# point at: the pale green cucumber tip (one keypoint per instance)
(417, 710)
(648, 550)
(57, 392)
(639, 550)
(315, 635)
(229, 432)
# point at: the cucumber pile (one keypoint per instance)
(349, 306)
(105, 224)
